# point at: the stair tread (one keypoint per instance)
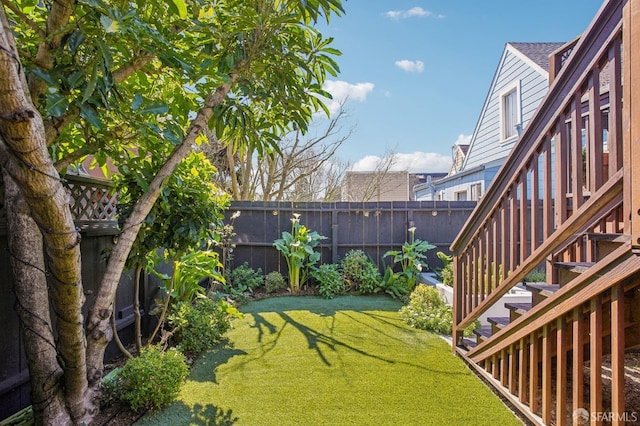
(499, 321)
(518, 306)
(614, 238)
(469, 343)
(575, 266)
(484, 331)
(542, 288)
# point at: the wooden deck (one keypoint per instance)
(566, 200)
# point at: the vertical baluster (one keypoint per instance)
(617, 353)
(561, 147)
(514, 232)
(547, 201)
(525, 218)
(535, 202)
(614, 140)
(513, 368)
(504, 367)
(524, 370)
(546, 374)
(534, 371)
(496, 246)
(482, 256)
(595, 356)
(561, 372)
(577, 177)
(505, 237)
(594, 147)
(577, 363)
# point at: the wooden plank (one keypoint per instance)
(594, 147)
(504, 252)
(617, 354)
(513, 370)
(495, 367)
(547, 183)
(535, 203)
(595, 357)
(631, 116)
(534, 367)
(577, 363)
(577, 175)
(546, 374)
(561, 372)
(523, 378)
(504, 367)
(614, 142)
(561, 145)
(525, 219)
(515, 229)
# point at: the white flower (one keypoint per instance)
(412, 229)
(296, 215)
(235, 215)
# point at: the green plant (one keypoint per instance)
(329, 279)
(359, 272)
(536, 276)
(394, 284)
(198, 326)
(411, 257)
(445, 275)
(245, 276)
(274, 281)
(153, 379)
(297, 247)
(427, 311)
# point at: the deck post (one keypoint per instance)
(631, 117)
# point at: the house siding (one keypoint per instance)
(487, 146)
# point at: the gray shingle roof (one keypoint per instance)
(538, 52)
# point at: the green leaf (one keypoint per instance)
(109, 25)
(180, 8)
(56, 104)
(75, 40)
(91, 85)
(88, 113)
(137, 101)
(155, 108)
(45, 76)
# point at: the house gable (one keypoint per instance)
(521, 71)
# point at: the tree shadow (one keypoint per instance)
(205, 369)
(210, 415)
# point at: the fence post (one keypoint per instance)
(334, 236)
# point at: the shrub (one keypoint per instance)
(427, 311)
(274, 281)
(394, 284)
(329, 279)
(536, 276)
(199, 326)
(445, 275)
(153, 379)
(359, 272)
(245, 278)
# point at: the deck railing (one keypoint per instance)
(566, 201)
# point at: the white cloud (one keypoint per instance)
(415, 162)
(412, 13)
(410, 66)
(342, 90)
(463, 139)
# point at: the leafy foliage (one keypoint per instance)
(427, 311)
(188, 272)
(297, 247)
(245, 277)
(394, 284)
(198, 326)
(329, 279)
(274, 281)
(359, 272)
(153, 379)
(445, 275)
(411, 258)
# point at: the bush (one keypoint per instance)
(274, 281)
(153, 379)
(245, 278)
(427, 311)
(359, 272)
(199, 326)
(329, 279)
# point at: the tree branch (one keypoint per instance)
(12, 7)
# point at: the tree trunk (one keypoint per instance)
(32, 307)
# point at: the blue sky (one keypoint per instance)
(416, 73)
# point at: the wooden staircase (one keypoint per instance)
(567, 201)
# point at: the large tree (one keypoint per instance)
(120, 78)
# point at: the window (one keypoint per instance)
(460, 195)
(476, 191)
(510, 112)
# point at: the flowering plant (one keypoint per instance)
(411, 257)
(297, 247)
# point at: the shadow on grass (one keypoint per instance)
(205, 369)
(206, 415)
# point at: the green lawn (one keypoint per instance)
(346, 361)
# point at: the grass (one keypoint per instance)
(345, 361)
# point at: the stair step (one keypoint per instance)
(498, 323)
(540, 291)
(483, 331)
(469, 343)
(611, 238)
(520, 308)
(576, 267)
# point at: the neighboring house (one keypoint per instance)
(383, 186)
(520, 82)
